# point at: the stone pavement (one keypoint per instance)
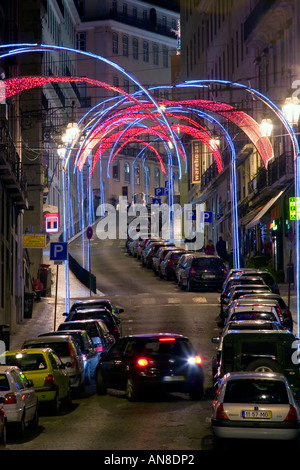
(43, 315)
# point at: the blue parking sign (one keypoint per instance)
(58, 251)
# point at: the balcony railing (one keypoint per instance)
(209, 175)
(11, 168)
(280, 169)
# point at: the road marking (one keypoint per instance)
(174, 300)
(199, 300)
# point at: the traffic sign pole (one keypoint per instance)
(89, 234)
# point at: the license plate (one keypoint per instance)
(208, 276)
(173, 378)
(256, 414)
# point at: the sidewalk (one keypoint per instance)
(43, 315)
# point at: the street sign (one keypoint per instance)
(89, 233)
(34, 241)
(156, 200)
(294, 208)
(161, 191)
(58, 251)
(191, 215)
(206, 217)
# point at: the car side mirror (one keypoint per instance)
(65, 314)
(2, 400)
(68, 364)
(30, 383)
(215, 340)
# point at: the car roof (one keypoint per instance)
(156, 336)
(234, 323)
(258, 332)
(29, 351)
(50, 338)
(7, 368)
(251, 375)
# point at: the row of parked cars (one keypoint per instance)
(255, 370)
(50, 369)
(190, 269)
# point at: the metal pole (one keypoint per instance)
(55, 304)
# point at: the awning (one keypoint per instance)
(49, 208)
(257, 218)
(248, 217)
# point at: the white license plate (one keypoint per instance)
(208, 276)
(256, 414)
(173, 378)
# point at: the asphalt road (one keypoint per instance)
(108, 423)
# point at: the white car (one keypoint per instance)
(254, 312)
(21, 402)
(255, 405)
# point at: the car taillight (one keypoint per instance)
(292, 414)
(197, 360)
(287, 313)
(49, 380)
(99, 348)
(10, 399)
(192, 272)
(72, 354)
(170, 262)
(142, 362)
(220, 413)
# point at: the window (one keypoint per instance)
(116, 171)
(137, 179)
(155, 54)
(145, 51)
(115, 43)
(126, 172)
(125, 9)
(165, 57)
(116, 84)
(147, 175)
(145, 16)
(125, 46)
(156, 177)
(126, 86)
(134, 12)
(81, 41)
(135, 48)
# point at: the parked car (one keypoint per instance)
(265, 275)
(181, 263)
(254, 312)
(237, 291)
(143, 244)
(155, 362)
(251, 405)
(97, 314)
(88, 350)
(95, 303)
(97, 330)
(287, 315)
(239, 280)
(268, 351)
(3, 425)
(200, 270)
(48, 374)
(20, 404)
(68, 351)
(149, 253)
(167, 267)
(159, 256)
(243, 304)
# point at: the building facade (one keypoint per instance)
(140, 37)
(254, 43)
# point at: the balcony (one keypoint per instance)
(279, 172)
(11, 169)
(209, 175)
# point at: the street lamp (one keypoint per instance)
(291, 110)
(266, 127)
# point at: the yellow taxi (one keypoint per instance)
(47, 372)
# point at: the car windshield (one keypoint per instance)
(59, 347)
(256, 391)
(208, 263)
(4, 385)
(92, 316)
(27, 362)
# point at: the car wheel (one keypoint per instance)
(264, 365)
(33, 424)
(100, 385)
(189, 286)
(131, 390)
(55, 405)
(4, 435)
(21, 427)
(68, 399)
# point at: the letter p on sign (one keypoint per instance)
(58, 251)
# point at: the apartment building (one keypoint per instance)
(254, 43)
(141, 37)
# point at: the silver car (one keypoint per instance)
(255, 405)
(68, 351)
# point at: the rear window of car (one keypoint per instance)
(259, 391)
(176, 347)
(267, 316)
(27, 362)
(212, 263)
(59, 347)
(261, 348)
(4, 385)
